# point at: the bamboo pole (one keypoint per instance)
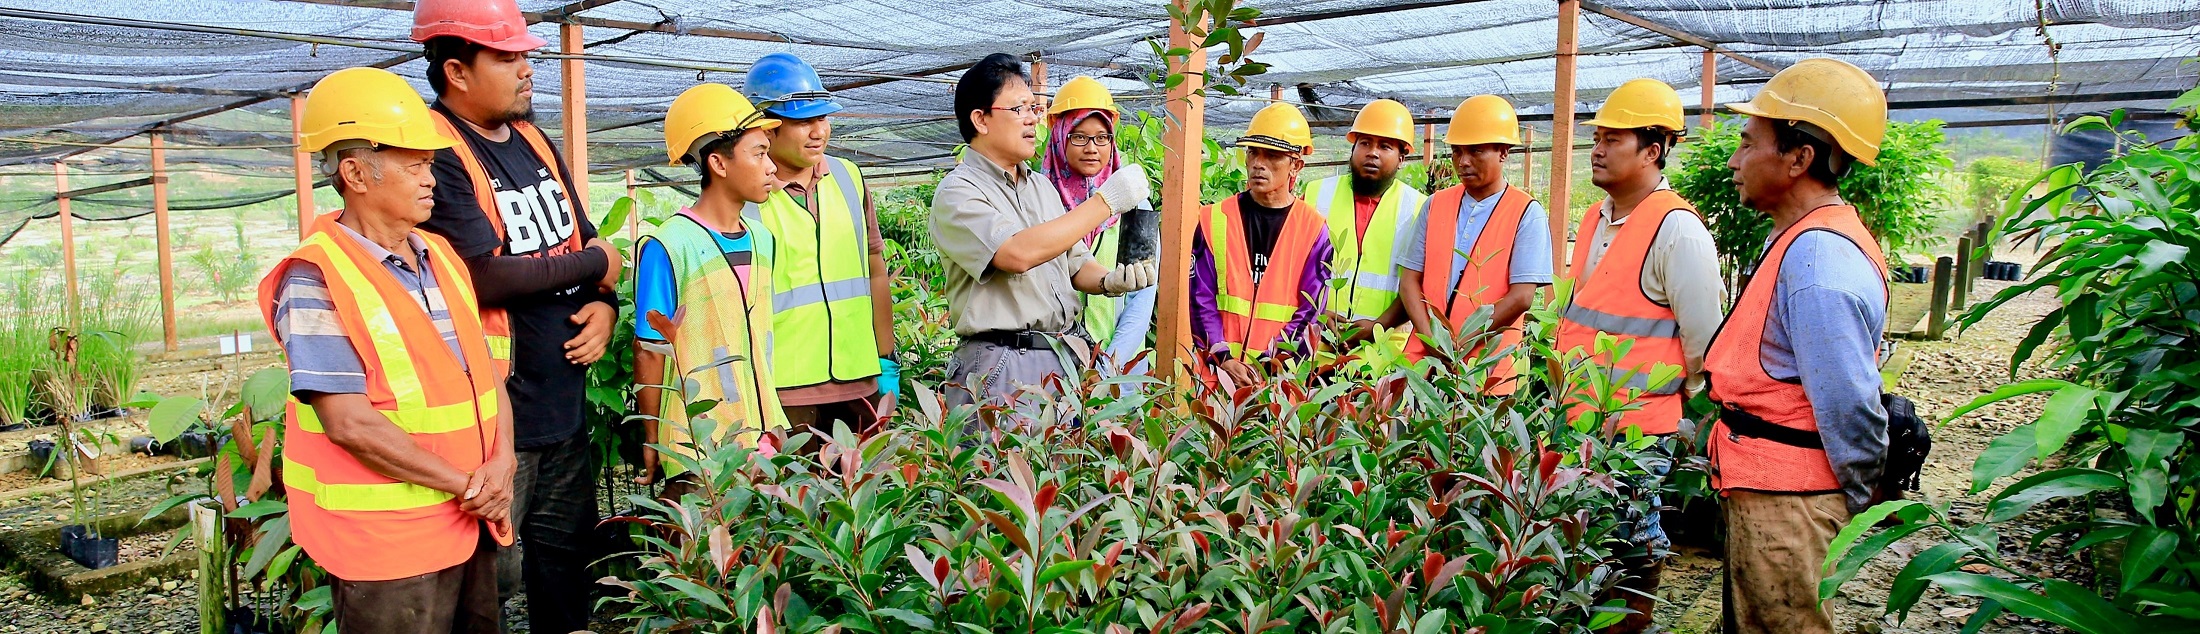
(1180, 180)
(1562, 133)
(574, 86)
(68, 238)
(301, 165)
(1710, 80)
(167, 255)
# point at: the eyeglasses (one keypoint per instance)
(1082, 140)
(1026, 110)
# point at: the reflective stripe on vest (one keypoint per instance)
(1364, 282)
(496, 325)
(347, 516)
(1255, 315)
(821, 278)
(727, 328)
(1735, 361)
(1486, 279)
(1608, 299)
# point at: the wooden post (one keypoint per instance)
(1039, 82)
(1985, 247)
(167, 256)
(1562, 133)
(1710, 79)
(575, 87)
(1275, 93)
(1428, 149)
(1182, 138)
(68, 237)
(206, 533)
(1527, 158)
(1943, 271)
(633, 216)
(301, 165)
(1963, 271)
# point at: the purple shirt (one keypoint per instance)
(1207, 331)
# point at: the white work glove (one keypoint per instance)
(1126, 189)
(1129, 277)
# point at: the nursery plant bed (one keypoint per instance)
(38, 554)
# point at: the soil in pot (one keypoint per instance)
(88, 548)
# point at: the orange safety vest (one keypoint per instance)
(358, 524)
(1610, 300)
(1487, 278)
(1739, 381)
(494, 321)
(1254, 315)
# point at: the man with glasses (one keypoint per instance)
(1017, 256)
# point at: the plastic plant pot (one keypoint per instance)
(144, 445)
(42, 457)
(88, 548)
(191, 445)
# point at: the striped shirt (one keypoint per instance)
(322, 358)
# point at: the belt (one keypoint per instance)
(1746, 424)
(1018, 339)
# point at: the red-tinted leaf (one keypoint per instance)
(1431, 563)
(1191, 616)
(1045, 499)
(1550, 463)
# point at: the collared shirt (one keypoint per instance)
(1530, 262)
(322, 358)
(1681, 272)
(977, 208)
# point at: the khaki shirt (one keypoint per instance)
(977, 208)
(1681, 271)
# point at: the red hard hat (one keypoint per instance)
(496, 24)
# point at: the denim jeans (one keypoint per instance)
(554, 499)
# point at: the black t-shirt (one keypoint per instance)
(1262, 226)
(548, 392)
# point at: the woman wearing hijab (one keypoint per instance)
(1081, 154)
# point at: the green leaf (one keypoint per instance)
(2004, 456)
(2020, 497)
(172, 502)
(173, 416)
(2150, 547)
(1851, 561)
(1864, 522)
(1909, 584)
(259, 509)
(2158, 254)
(1607, 615)
(2007, 392)
(1062, 568)
(2147, 447)
(2064, 413)
(274, 537)
(617, 217)
(696, 592)
(915, 620)
(2011, 597)
(2090, 614)
(265, 393)
(1430, 623)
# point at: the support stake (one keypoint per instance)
(574, 85)
(1710, 80)
(1182, 137)
(301, 166)
(68, 239)
(167, 254)
(1943, 274)
(1562, 133)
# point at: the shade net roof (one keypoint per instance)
(218, 73)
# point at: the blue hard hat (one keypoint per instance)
(788, 87)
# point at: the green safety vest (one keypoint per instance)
(723, 319)
(821, 283)
(1100, 310)
(1363, 283)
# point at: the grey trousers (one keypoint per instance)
(991, 374)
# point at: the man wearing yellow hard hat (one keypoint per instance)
(1080, 155)
(1801, 440)
(1646, 274)
(397, 445)
(1368, 208)
(1260, 259)
(711, 266)
(1479, 243)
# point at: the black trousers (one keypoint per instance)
(554, 501)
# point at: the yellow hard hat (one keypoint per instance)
(1385, 118)
(1082, 93)
(1280, 127)
(1640, 103)
(1484, 119)
(1832, 94)
(367, 104)
(705, 110)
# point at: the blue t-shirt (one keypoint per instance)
(1531, 250)
(657, 289)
